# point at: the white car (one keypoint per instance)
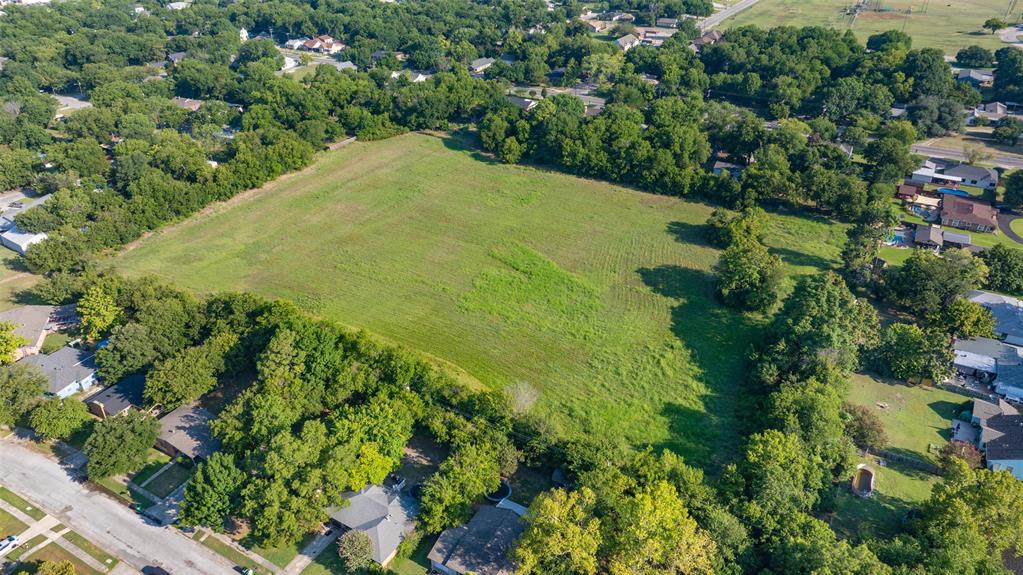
(8, 544)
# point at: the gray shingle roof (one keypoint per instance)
(383, 515)
(120, 396)
(65, 367)
(482, 545)
(187, 429)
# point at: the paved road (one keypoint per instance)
(111, 525)
(725, 14)
(1002, 161)
(1004, 226)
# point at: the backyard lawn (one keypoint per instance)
(948, 25)
(914, 417)
(596, 298)
(897, 489)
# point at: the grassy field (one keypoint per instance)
(915, 417)
(596, 298)
(945, 24)
(897, 490)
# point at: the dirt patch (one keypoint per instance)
(422, 457)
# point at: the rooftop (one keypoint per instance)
(928, 235)
(187, 429)
(969, 211)
(122, 395)
(482, 545)
(382, 514)
(64, 367)
(30, 320)
(1008, 311)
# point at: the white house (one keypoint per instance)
(19, 241)
(627, 42)
(68, 370)
(986, 178)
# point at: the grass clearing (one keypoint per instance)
(915, 417)
(948, 25)
(597, 297)
(282, 555)
(53, 342)
(91, 548)
(897, 489)
(10, 525)
(25, 507)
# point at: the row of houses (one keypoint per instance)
(996, 425)
(949, 207)
(944, 172)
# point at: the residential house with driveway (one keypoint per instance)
(68, 370)
(986, 178)
(967, 214)
(480, 546)
(118, 398)
(975, 78)
(384, 514)
(186, 432)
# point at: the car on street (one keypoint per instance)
(8, 544)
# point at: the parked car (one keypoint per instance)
(8, 544)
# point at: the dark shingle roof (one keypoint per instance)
(124, 394)
(482, 545)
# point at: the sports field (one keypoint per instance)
(592, 303)
(945, 24)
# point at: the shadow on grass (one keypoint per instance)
(685, 233)
(802, 259)
(466, 143)
(718, 339)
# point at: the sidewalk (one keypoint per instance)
(306, 556)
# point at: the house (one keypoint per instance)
(956, 239)
(975, 78)
(666, 22)
(33, 322)
(289, 63)
(412, 75)
(480, 546)
(383, 514)
(1008, 312)
(735, 170)
(969, 364)
(622, 17)
(19, 240)
(907, 192)
(627, 42)
(986, 178)
(524, 104)
(68, 370)
(323, 43)
(178, 5)
(709, 37)
(1000, 436)
(295, 43)
(967, 214)
(928, 236)
(118, 398)
(596, 25)
(186, 431)
(991, 112)
(346, 65)
(176, 57)
(189, 104)
(478, 65)
(653, 38)
(1006, 373)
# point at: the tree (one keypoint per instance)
(995, 24)
(9, 342)
(963, 318)
(20, 385)
(98, 312)
(56, 568)
(975, 57)
(723, 228)
(907, 352)
(563, 535)
(967, 452)
(212, 493)
(1005, 269)
(1014, 189)
(892, 39)
(927, 282)
(355, 550)
(59, 418)
(1008, 131)
(890, 158)
(778, 478)
(120, 444)
(864, 427)
(470, 472)
(748, 275)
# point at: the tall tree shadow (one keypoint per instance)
(686, 233)
(798, 258)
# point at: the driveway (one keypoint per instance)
(1004, 221)
(109, 524)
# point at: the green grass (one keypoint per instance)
(54, 552)
(233, 555)
(329, 563)
(54, 341)
(897, 490)
(598, 297)
(10, 525)
(122, 491)
(89, 547)
(282, 555)
(25, 507)
(948, 25)
(14, 280)
(25, 547)
(915, 417)
(1017, 226)
(169, 480)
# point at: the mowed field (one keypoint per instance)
(591, 303)
(945, 24)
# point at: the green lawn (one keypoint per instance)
(897, 489)
(53, 342)
(948, 24)
(169, 480)
(233, 555)
(328, 562)
(25, 547)
(90, 548)
(282, 555)
(54, 552)
(1017, 226)
(989, 240)
(14, 280)
(25, 507)
(10, 525)
(598, 297)
(121, 490)
(914, 417)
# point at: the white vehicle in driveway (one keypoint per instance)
(8, 544)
